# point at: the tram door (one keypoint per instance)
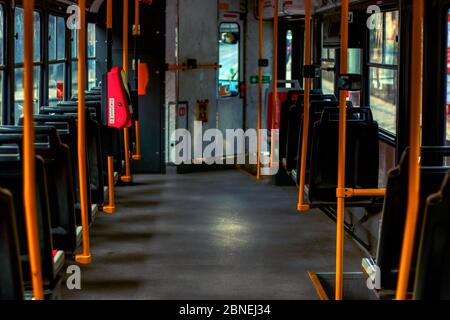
(230, 101)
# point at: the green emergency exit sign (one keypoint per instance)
(265, 79)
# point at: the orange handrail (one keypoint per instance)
(127, 177)
(111, 207)
(414, 155)
(302, 206)
(341, 155)
(260, 85)
(85, 257)
(274, 79)
(29, 162)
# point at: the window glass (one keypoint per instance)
(92, 79)
(18, 53)
(91, 40)
(18, 92)
(18, 35)
(383, 97)
(289, 57)
(383, 75)
(61, 38)
(56, 38)
(92, 75)
(74, 77)
(384, 40)
(74, 46)
(229, 48)
(328, 69)
(37, 37)
(52, 38)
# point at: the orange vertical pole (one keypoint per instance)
(127, 177)
(136, 32)
(302, 206)
(414, 155)
(341, 159)
(275, 78)
(29, 170)
(260, 85)
(85, 257)
(111, 207)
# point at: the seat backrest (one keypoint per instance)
(390, 238)
(291, 99)
(295, 125)
(68, 110)
(66, 125)
(59, 182)
(362, 154)
(432, 280)
(11, 178)
(94, 146)
(11, 283)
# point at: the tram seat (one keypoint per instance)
(295, 124)
(282, 96)
(11, 284)
(293, 147)
(67, 129)
(362, 156)
(106, 132)
(94, 145)
(94, 107)
(94, 154)
(91, 95)
(394, 214)
(11, 178)
(281, 178)
(58, 171)
(433, 264)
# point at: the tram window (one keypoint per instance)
(289, 37)
(92, 76)
(229, 49)
(383, 75)
(18, 67)
(2, 62)
(328, 69)
(57, 58)
(74, 62)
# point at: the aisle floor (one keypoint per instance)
(214, 235)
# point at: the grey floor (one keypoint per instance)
(215, 235)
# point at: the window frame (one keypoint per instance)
(56, 61)
(40, 63)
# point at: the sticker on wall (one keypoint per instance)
(201, 110)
